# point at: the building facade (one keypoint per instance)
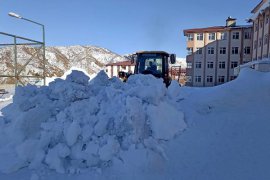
(261, 30)
(214, 52)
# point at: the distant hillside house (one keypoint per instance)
(112, 69)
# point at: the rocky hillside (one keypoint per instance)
(59, 59)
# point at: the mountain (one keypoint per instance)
(59, 59)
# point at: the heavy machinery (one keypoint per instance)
(151, 62)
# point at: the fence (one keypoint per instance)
(259, 65)
(22, 61)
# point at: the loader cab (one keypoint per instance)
(155, 63)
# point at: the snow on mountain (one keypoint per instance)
(181, 62)
(92, 59)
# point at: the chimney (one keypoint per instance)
(230, 22)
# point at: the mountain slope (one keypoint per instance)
(59, 59)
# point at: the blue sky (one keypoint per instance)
(123, 26)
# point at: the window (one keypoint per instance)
(234, 64)
(199, 51)
(221, 65)
(211, 50)
(256, 27)
(190, 37)
(221, 79)
(212, 36)
(260, 42)
(209, 79)
(189, 65)
(198, 65)
(198, 78)
(150, 62)
(210, 65)
(222, 50)
(247, 50)
(190, 50)
(265, 39)
(200, 36)
(235, 50)
(267, 19)
(223, 36)
(235, 35)
(247, 35)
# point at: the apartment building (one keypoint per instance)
(261, 30)
(214, 52)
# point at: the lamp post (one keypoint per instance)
(12, 14)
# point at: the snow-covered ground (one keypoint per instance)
(107, 129)
(6, 99)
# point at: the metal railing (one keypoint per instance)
(22, 60)
(255, 65)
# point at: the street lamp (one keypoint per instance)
(12, 14)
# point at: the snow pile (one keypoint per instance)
(76, 124)
(6, 99)
(51, 79)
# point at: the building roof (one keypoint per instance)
(264, 4)
(240, 27)
(258, 6)
(214, 29)
(122, 63)
(207, 29)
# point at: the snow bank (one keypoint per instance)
(73, 124)
(227, 138)
(68, 72)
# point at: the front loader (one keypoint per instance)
(151, 62)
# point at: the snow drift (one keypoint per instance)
(227, 136)
(76, 124)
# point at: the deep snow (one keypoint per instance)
(110, 130)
